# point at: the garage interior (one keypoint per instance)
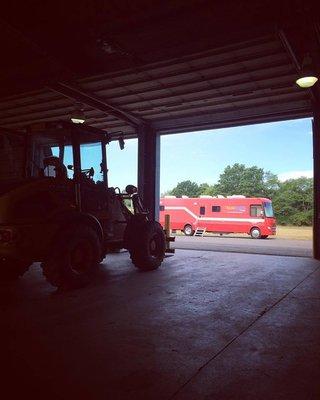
(204, 325)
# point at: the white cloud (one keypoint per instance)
(294, 175)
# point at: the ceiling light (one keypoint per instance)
(307, 76)
(78, 116)
(306, 81)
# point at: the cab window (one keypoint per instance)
(202, 210)
(256, 210)
(91, 161)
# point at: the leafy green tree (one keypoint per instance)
(211, 190)
(293, 202)
(271, 184)
(203, 187)
(192, 189)
(185, 188)
(242, 180)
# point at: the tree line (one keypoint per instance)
(292, 199)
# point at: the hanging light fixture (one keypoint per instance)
(307, 76)
(78, 116)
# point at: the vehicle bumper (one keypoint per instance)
(271, 230)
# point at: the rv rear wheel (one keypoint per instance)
(188, 231)
(255, 233)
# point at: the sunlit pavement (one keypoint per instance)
(271, 245)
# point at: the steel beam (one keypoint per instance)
(316, 180)
(294, 58)
(77, 94)
(149, 169)
(292, 55)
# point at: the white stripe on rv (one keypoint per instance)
(253, 220)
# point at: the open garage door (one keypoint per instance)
(244, 189)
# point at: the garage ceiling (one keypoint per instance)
(175, 66)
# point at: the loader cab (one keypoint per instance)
(70, 158)
(52, 149)
(75, 154)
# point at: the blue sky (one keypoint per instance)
(284, 148)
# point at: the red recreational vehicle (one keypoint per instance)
(232, 214)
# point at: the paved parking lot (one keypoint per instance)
(241, 244)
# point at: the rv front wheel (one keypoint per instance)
(188, 231)
(255, 233)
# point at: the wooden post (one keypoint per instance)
(167, 232)
(167, 224)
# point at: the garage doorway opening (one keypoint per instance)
(271, 160)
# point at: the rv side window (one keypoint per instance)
(216, 208)
(256, 211)
(161, 208)
(202, 210)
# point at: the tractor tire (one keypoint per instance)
(255, 233)
(148, 244)
(12, 269)
(73, 258)
(188, 231)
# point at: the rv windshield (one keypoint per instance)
(268, 210)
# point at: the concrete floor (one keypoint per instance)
(205, 326)
(271, 246)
